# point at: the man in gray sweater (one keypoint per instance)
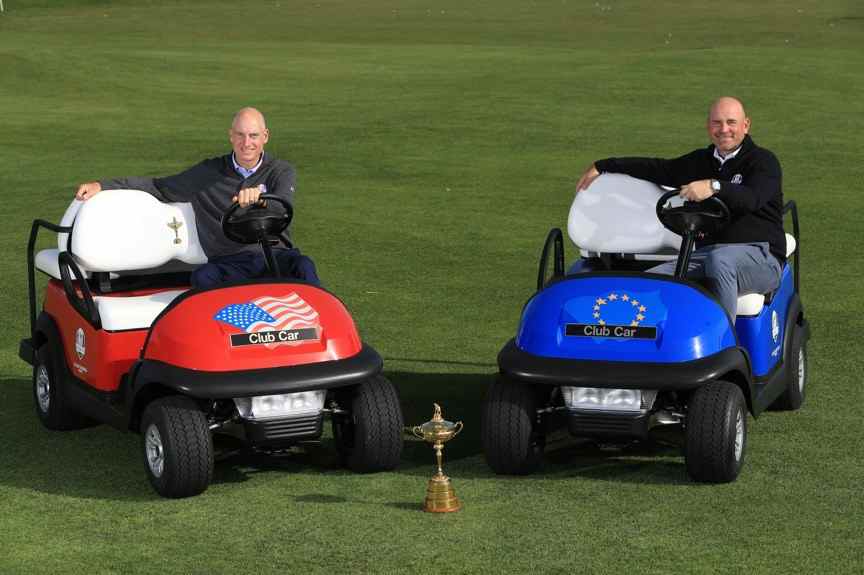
(212, 186)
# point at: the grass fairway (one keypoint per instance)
(436, 143)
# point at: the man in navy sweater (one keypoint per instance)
(212, 186)
(747, 255)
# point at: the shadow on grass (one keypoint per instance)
(657, 460)
(93, 463)
(107, 464)
(103, 463)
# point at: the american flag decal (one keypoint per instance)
(289, 313)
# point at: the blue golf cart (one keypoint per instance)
(614, 352)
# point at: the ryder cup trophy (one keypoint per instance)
(440, 497)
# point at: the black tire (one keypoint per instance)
(513, 440)
(50, 378)
(177, 446)
(716, 428)
(369, 437)
(793, 395)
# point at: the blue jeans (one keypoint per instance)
(728, 270)
(251, 265)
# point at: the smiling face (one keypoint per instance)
(248, 135)
(727, 124)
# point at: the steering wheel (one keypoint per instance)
(256, 224)
(706, 217)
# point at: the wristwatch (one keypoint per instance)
(715, 186)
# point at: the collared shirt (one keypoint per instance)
(246, 172)
(727, 157)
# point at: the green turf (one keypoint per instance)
(436, 143)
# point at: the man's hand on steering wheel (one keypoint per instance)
(248, 196)
(697, 191)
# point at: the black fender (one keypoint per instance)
(150, 379)
(795, 316)
(44, 328)
(520, 365)
(732, 362)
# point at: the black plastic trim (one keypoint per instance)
(792, 207)
(228, 384)
(26, 351)
(31, 263)
(606, 424)
(285, 430)
(529, 368)
(555, 239)
(84, 305)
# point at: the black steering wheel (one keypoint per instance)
(705, 217)
(256, 224)
(689, 220)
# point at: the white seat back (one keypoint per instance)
(120, 230)
(616, 215)
(126, 230)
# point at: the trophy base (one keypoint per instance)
(440, 497)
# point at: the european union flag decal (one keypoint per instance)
(616, 314)
(242, 315)
(618, 307)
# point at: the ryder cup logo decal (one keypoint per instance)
(175, 225)
(80, 344)
(775, 326)
(615, 315)
(271, 321)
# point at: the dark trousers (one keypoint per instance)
(251, 265)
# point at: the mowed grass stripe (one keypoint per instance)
(435, 146)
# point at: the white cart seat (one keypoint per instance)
(120, 313)
(127, 232)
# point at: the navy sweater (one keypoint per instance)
(751, 186)
(209, 186)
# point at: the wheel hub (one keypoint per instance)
(739, 435)
(154, 451)
(801, 368)
(43, 389)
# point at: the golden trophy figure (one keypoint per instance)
(440, 497)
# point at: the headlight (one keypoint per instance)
(284, 405)
(603, 399)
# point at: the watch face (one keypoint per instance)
(715, 185)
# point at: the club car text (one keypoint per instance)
(611, 331)
(271, 337)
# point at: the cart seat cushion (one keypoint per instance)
(791, 245)
(750, 304)
(46, 261)
(124, 230)
(119, 313)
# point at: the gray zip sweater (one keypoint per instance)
(209, 186)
